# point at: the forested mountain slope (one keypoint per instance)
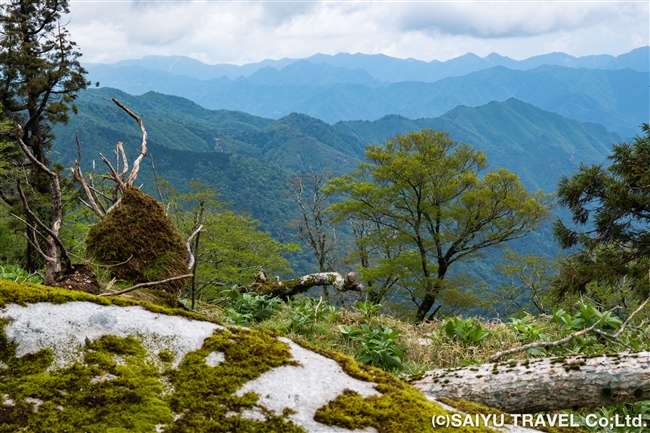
(249, 158)
(513, 134)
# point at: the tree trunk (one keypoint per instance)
(546, 384)
(262, 286)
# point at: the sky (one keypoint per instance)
(241, 31)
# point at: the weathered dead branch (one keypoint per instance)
(263, 286)
(147, 284)
(119, 178)
(556, 343)
(188, 245)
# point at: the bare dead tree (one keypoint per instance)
(96, 199)
(314, 228)
(56, 256)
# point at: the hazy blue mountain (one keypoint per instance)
(390, 69)
(637, 59)
(181, 65)
(537, 145)
(304, 72)
(617, 99)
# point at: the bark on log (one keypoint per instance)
(546, 384)
(262, 286)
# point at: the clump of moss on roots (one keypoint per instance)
(139, 242)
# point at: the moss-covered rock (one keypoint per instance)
(139, 242)
(131, 374)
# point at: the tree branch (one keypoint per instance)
(143, 152)
(148, 284)
(189, 247)
(557, 343)
(78, 175)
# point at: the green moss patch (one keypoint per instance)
(115, 389)
(400, 407)
(203, 395)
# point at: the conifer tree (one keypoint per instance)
(40, 77)
(610, 210)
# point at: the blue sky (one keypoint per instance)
(243, 31)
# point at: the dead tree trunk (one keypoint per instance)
(262, 286)
(546, 384)
(56, 256)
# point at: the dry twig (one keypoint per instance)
(148, 284)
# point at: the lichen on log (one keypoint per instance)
(262, 286)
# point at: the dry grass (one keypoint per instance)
(426, 346)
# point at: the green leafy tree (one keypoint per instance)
(610, 211)
(40, 76)
(433, 194)
(529, 290)
(231, 248)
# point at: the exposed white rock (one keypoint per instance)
(35, 401)
(306, 388)
(103, 378)
(215, 358)
(64, 329)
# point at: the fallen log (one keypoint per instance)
(545, 384)
(262, 285)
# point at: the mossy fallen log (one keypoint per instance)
(546, 384)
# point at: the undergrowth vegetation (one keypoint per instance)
(407, 349)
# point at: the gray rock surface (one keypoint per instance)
(64, 328)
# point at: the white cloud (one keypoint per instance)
(511, 19)
(242, 32)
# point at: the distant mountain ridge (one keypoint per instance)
(248, 159)
(617, 99)
(389, 69)
(512, 134)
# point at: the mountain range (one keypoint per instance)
(249, 159)
(332, 92)
(391, 69)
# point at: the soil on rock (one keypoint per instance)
(81, 278)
